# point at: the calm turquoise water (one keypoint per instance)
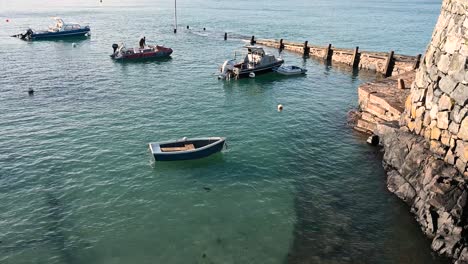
(77, 184)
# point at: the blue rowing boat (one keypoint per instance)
(186, 149)
(58, 31)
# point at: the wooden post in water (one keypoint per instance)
(225, 35)
(329, 54)
(306, 48)
(418, 61)
(356, 57)
(389, 65)
(252, 41)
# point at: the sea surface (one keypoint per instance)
(78, 185)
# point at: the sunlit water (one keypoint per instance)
(77, 184)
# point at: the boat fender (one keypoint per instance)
(184, 138)
(252, 75)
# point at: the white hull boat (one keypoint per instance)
(290, 70)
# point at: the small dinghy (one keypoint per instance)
(186, 149)
(59, 30)
(146, 52)
(290, 70)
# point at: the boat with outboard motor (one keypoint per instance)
(290, 70)
(59, 30)
(146, 52)
(257, 61)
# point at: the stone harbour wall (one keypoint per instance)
(387, 64)
(437, 108)
(435, 191)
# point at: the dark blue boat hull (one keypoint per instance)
(189, 155)
(61, 34)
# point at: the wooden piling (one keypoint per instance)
(401, 84)
(417, 62)
(389, 64)
(356, 57)
(329, 53)
(306, 48)
(252, 41)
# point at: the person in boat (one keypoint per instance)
(142, 43)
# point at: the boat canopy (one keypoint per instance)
(255, 49)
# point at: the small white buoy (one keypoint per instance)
(252, 75)
(74, 44)
(280, 107)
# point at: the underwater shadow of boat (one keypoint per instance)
(55, 236)
(145, 60)
(215, 159)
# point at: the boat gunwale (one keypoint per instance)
(160, 152)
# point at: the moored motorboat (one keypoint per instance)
(186, 149)
(256, 62)
(58, 31)
(290, 70)
(145, 52)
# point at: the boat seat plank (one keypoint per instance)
(174, 149)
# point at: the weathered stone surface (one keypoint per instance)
(434, 111)
(445, 137)
(444, 62)
(453, 128)
(463, 132)
(450, 158)
(442, 120)
(435, 133)
(447, 84)
(452, 44)
(457, 64)
(437, 148)
(460, 94)
(461, 165)
(420, 111)
(461, 150)
(445, 103)
(459, 114)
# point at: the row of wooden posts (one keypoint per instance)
(390, 62)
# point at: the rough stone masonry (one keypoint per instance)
(426, 154)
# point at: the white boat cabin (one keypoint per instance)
(61, 26)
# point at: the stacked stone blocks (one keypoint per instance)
(437, 107)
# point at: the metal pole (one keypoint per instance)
(175, 16)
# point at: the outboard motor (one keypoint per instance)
(115, 47)
(226, 69)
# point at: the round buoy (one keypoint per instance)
(74, 44)
(252, 75)
(7, 20)
(280, 107)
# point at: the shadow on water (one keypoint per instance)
(156, 61)
(55, 237)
